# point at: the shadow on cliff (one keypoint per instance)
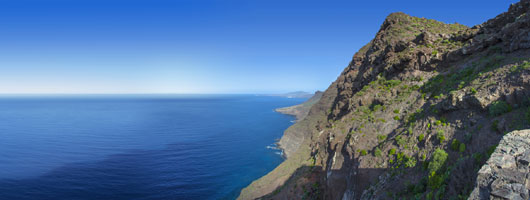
(311, 182)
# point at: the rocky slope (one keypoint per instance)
(415, 114)
(506, 175)
(300, 111)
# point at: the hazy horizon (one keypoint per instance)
(195, 47)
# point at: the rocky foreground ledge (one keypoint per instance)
(506, 175)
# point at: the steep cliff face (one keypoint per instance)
(414, 115)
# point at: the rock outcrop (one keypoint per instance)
(506, 174)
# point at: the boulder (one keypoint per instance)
(506, 174)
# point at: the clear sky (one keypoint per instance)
(197, 46)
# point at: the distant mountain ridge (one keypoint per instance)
(301, 110)
(297, 94)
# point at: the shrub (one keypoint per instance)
(436, 177)
(436, 180)
(421, 137)
(440, 135)
(438, 160)
(381, 138)
(396, 111)
(455, 145)
(499, 107)
(473, 91)
(396, 118)
(392, 151)
(363, 152)
(377, 107)
(410, 163)
(429, 196)
(438, 123)
(377, 152)
(462, 147)
(400, 140)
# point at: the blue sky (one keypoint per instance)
(197, 46)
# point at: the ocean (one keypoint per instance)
(137, 146)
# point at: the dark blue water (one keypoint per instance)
(137, 147)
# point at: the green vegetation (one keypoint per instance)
(518, 68)
(455, 145)
(380, 83)
(499, 107)
(396, 111)
(436, 178)
(400, 141)
(473, 90)
(392, 151)
(462, 148)
(446, 83)
(377, 152)
(409, 131)
(435, 52)
(416, 115)
(377, 107)
(403, 160)
(363, 152)
(381, 138)
(438, 123)
(410, 162)
(440, 135)
(421, 137)
(396, 117)
(438, 160)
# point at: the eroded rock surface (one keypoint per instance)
(506, 175)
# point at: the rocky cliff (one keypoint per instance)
(506, 174)
(415, 114)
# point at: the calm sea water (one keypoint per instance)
(137, 147)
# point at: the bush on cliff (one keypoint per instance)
(499, 107)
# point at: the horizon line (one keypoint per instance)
(277, 93)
